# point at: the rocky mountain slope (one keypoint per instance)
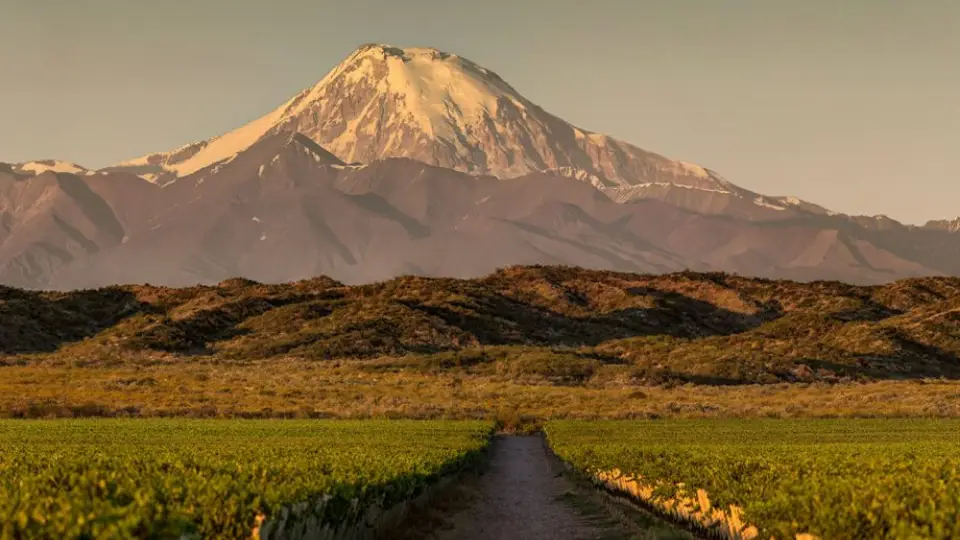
(415, 161)
(557, 323)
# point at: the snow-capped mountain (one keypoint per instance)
(444, 110)
(415, 161)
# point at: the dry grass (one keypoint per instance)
(537, 341)
(298, 388)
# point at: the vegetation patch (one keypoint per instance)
(235, 479)
(779, 479)
(561, 325)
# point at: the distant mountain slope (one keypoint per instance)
(285, 209)
(520, 321)
(52, 220)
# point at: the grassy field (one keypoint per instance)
(306, 389)
(110, 478)
(829, 478)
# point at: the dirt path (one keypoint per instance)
(523, 495)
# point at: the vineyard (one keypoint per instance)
(781, 479)
(260, 479)
(229, 479)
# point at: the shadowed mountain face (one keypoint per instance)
(415, 161)
(555, 322)
(285, 209)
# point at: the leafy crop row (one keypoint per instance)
(177, 478)
(825, 478)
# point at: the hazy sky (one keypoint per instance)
(853, 104)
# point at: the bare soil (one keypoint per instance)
(523, 495)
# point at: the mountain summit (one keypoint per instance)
(443, 110)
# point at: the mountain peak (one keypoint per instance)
(426, 58)
(384, 49)
(381, 51)
(436, 107)
(438, 92)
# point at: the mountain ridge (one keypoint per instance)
(285, 209)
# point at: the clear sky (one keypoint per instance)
(852, 104)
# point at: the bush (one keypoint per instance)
(555, 366)
(510, 420)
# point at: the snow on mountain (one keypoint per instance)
(439, 108)
(803, 205)
(42, 166)
(582, 175)
(764, 202)
(440, 93)
(199, 155)
(624, 194)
